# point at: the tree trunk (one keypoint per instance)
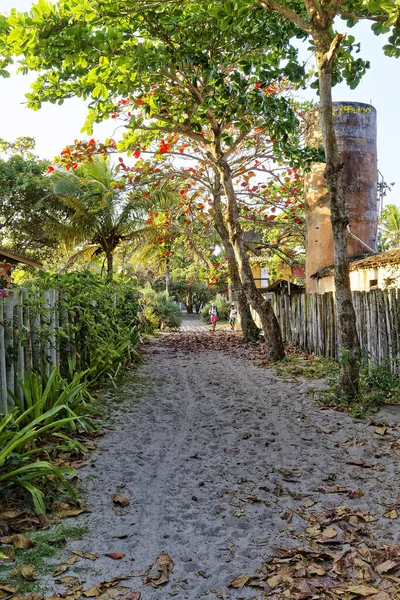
(189, 303)
(349, 346)
(249, 328)
(167, 277)
(274, 349)
(110, 268)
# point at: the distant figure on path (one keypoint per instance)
(232, 317)
(213, 312)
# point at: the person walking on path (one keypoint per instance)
(232, 317)
(213, 316)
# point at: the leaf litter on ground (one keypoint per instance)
(338, 561)
(120, 500)
(158, 573)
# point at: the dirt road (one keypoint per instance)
(215, 454)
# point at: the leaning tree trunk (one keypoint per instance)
(249, 328)
(274, 349)
(349, 346)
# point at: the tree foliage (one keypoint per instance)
(90, 212)
(389, 231)
(24, 188)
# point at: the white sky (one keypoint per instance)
(54, 127)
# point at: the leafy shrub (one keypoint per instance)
(99, 328)
(158, 311)
(42, 393)
(379, 384)
(18, 464)
(223, 308)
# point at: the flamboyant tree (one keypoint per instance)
(168, 227)
(262, 188)
(170, 70)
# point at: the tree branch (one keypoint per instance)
(330, 56)
(350, 15)
(287, 13)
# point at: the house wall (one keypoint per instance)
(256, 270)
(362, 279)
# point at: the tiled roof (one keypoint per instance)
(371, 261)
(7, 255)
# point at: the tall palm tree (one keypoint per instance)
(90, 210)
(390, 227)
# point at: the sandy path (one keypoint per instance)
(210, 434)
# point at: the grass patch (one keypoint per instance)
(307, 366)
(378, 386)
(48, 544)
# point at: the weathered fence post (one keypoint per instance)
(19, 349)
(3, 369)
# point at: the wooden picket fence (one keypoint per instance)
(309, 321)
(28, 338)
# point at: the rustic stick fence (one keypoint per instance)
(29, 338)
(309, 321)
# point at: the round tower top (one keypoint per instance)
(355, 120)
(351, 120)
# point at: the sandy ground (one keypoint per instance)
(214, 453)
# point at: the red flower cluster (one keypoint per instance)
(164, 147)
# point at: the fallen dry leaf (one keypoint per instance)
(362, 590)
(240, 581)
(381, 430)
(10, 589)
(65, 566)
(64, 510)
(22, 542)
(361, 463)
(313, 530)
(60, 570)
(28, 572)
(31, 596)
(308, 503)
(334, 490)
(93, 592)
(131, 596)
(120, 500)
(98, 590)
(158, 573)
(356, 494)
(388, 565)
(329, 532)
(69, 580)
(115, 555)
(88, 555)
(114, 592)
(108, 593)
(391, 514)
